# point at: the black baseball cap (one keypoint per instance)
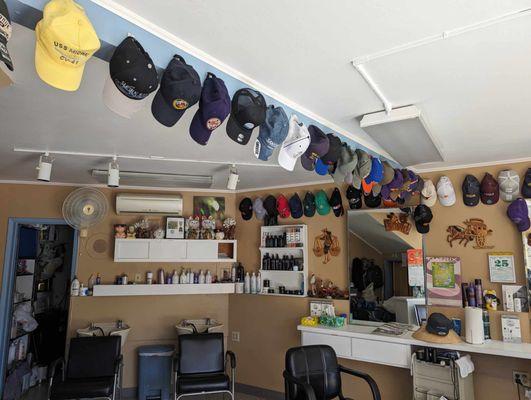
(214, 108)
(5, 34)
(295, 206)
(319, 146)
(438, 324)
(354, 197)
(180, 88)
(422, 217)
(132, 77)
(309, 204)
(336, 202)
(334, 150)
(246, 208)
(526, 186)
(471, 191)
(248, 110)
(371, 200)
(270, 204)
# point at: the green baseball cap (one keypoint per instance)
(321, 202)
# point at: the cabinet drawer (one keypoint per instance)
(202, 250)
(132, 249)
(340, 344)
(166, 249)
(395, 354)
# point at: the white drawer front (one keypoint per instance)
(398, 355)
(202, 250)
(131, 250)
(167, 250)
(340, 344)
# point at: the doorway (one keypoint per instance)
(39, 264)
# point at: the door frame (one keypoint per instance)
(8, 279)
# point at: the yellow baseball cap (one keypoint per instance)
(65, 41)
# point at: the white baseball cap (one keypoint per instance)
(294, 145)
(428, 194)
(509, 182)
(445, 191)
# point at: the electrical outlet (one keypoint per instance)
(235, 336)
(138, 278)
(523, 376)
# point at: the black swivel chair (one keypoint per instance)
(200, 366)
(93, 369)
(312, 373)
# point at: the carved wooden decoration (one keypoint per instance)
(326, 245)
(398, 223)
(475, 229)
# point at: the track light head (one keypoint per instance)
(45, 167)
(113, 175)
(233, 180)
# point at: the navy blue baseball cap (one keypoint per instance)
(272, 132)
(214, 108)
(319, 146)
(295, 206)
(180, 88)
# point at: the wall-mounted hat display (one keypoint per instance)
(321, 203)
(518, 212)
(283, 206)
(295, 206)
(258, 208)
(325, 164)
(348, 159)
(5, 35)
(509, 183)
(248, 110)
(295, 144)
(336, 202)
(526, 185)
(132, 77)
(246, 208)
(471, 191)
(428, 194)
(489, 190)
(272, 132)
(309, 204)
(353, 197)
(270, 204)
(445, 191)
(65, 42)
(180, 88)
(214, 108)
(422, 216)
(318, 147)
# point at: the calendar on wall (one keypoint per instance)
(501, 267)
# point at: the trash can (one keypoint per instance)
(155, 371)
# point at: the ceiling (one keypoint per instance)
(474, 90)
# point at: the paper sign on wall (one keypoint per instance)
(415, 267)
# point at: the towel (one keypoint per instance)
(466, 366)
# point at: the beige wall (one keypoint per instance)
(267, 325)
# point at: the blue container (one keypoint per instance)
(155, 371)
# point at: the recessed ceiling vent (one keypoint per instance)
(403, 134)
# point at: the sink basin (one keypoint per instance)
(186, 326)
(105, 329)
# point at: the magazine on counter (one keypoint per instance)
(394, 329)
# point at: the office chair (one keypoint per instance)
(312, 373)
(93, 369)
(200, 366)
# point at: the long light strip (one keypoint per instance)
(140, 157)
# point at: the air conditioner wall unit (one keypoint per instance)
(128, 203)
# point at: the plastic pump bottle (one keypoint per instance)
(247, 283)
(253, 283)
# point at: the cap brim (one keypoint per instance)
(247, 215)
(428, 201)
(422, 228)
(4, 54)
(117, 102)
(321, 168)
(265, 152)
(307, 163)
(524, 225)
(471, 202)
(198, 131)
(286, 161)
(237, 133)
(163, 112)
(54, 74)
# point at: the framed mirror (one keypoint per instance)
(386, 267)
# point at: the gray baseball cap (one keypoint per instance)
(258, 208)
(509, 182)
(272, 132)
(364, 164)
(348, 159)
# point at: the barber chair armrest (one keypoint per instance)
(119, 364)
(232, 358)
(367, 378)
(306, 387)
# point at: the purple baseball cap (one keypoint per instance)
(319, 146)
(214, 107)
(519, 214)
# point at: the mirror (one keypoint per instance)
(386, 268)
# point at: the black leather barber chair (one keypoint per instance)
(201, 364)
(93, 369)
(312, 373)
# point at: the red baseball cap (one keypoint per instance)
(283, 206)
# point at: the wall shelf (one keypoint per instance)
(162, 290)
(174, 250)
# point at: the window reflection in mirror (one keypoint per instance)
(386, 271)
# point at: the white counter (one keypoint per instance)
(357, 342)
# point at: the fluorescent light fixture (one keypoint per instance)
(113, 175)
(232, 182)
(135, 178)
(45, 167)
(403, 134)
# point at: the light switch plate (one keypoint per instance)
(235, 336)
